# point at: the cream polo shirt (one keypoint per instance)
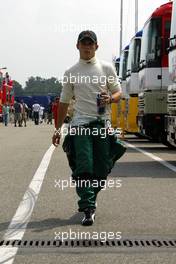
(84, 81)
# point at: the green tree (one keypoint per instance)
(18, 90)
(40, 86)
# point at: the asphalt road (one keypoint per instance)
(142, 207)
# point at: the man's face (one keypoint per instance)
(87, 48)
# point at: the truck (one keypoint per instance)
(121, 106)
(43, 100)
(171, 96)
(132, 83)
(6, 91)
(114, 106)
(154, 75)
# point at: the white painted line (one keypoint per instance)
(152, 156)
(22, 216)
(7, 254)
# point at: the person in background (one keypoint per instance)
(29, 113)
(45, 115)
(24, 113)
(5, 112)
(50, 114)
(11, 116)
(41, 114)
(36, 110)
(17, 114)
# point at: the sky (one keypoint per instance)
(38, 37)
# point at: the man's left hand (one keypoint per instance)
(105, 98)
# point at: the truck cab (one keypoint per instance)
(132, 83)
(121, 111)
(154, 74)
(171, 98)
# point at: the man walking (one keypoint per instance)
(17, 114)
(36, 110)
(94, 85)
(50, 113)
(24, 113)
(6, 112)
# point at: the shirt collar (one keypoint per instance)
(91, 61)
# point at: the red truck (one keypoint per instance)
(6, 91)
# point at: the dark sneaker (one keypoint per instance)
(89, 217)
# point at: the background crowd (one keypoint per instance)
(20, 113)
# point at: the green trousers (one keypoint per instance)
(92, 165)
(91, 158)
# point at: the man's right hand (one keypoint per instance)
(56, 139)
